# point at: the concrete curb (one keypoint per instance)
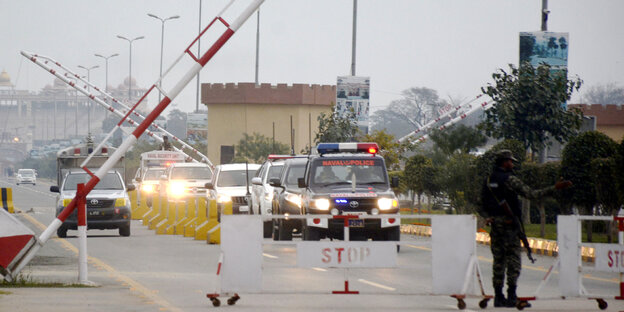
(540, 246)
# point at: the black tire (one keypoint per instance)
(267, 230)
(61, 232)
(124, 230)
(311, 234)
(284, 230)
(394, 234)
(274, 227)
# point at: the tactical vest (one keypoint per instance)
(495, 191)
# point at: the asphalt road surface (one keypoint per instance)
(149, 272)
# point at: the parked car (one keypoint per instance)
(26, 176)
(108, 205)
(287, 198)
(232, 183)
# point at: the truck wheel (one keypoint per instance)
(61, 232)
(124, 230)
(311, 234)
(394, 234)
(284, 231)
(267, 229)
(275, 228)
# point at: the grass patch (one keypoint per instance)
(2, 292)
(533, 230)
(26, 281)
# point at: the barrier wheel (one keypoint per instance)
(233, 299)
(215, 301)
(602, 305)
(483, 303)
(522, 304)
(461, 304)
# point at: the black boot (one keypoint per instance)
(499, 298)
(511, 297)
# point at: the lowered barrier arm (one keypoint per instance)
(131, 139)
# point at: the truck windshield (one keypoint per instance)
(111, 181)
(191, 173)
(234, 178)
(275, 172)
(152, 175)
(342, 171)
(294, 173)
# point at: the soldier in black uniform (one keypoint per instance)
(165, 145)
(501, 204)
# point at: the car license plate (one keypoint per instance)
(243, 208)
(356, 223)
(94, 213)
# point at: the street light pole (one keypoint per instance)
(106, 86)
(88, 88)
(162, 40)
(130, 64)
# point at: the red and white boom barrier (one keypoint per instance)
(49, 65)
(130, 140)
(15, 240)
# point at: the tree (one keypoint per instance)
(420, 177)
(255, 148)
(334, 128)
(576, 162)
(609, 93)
(605, 176)
(459, 182)
(457, 138)
(539, 176)
(529, 106)
(389, 148)
(418, 106)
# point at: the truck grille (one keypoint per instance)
(239, 200)
(100, 203)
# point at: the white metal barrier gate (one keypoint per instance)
(453, 255)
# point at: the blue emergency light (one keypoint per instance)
(325, 148)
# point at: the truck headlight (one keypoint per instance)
(294, 199)
(120, 202)
(66, 202)
(147, 188)
(222, 198)
(177, 189)
(268, 196)
(322, 204)
(387, 203)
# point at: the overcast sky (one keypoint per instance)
(452, 46)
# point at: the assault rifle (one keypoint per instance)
(520, 227)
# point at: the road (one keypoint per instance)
(149, 272)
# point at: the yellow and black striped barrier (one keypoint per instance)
(6, 199)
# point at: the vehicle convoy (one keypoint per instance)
(232, 183)
(183, 180)
(348, 179)
(287, 198)
(262, 192)
(26, 176)
(153, 163)
(108, 205)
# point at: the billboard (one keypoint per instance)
(544, 47)
(197, 127)
(352, 95)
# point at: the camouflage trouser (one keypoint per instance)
(506, 251)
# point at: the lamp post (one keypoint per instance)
(162, 40)
(106, 61)
(88, 88)
(130, 64)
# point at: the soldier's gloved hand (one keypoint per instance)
(489, 221)
(561, 184)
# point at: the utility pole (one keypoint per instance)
(257, 45)
(198, 53)
(354, 36)
(545, 13)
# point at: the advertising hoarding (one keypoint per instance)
(352, 95)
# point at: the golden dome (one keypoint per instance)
(5, 79)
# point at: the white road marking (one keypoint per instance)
(455, 307)
(376, 285)
(269, 256)
(319, 269)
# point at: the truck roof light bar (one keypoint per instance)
(327, 148)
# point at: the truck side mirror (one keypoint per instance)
(130, 187)
(301, 183)
(209, 185)
(54, 188)
(138, 179)
(394, 182)
(163, 177)
(256, 181)
(274, 182)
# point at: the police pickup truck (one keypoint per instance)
(348, 179)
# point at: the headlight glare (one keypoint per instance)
(294, 199)
(222, 198)
(147, 188)
(177, 189)
(322, 204)
(384, 203)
